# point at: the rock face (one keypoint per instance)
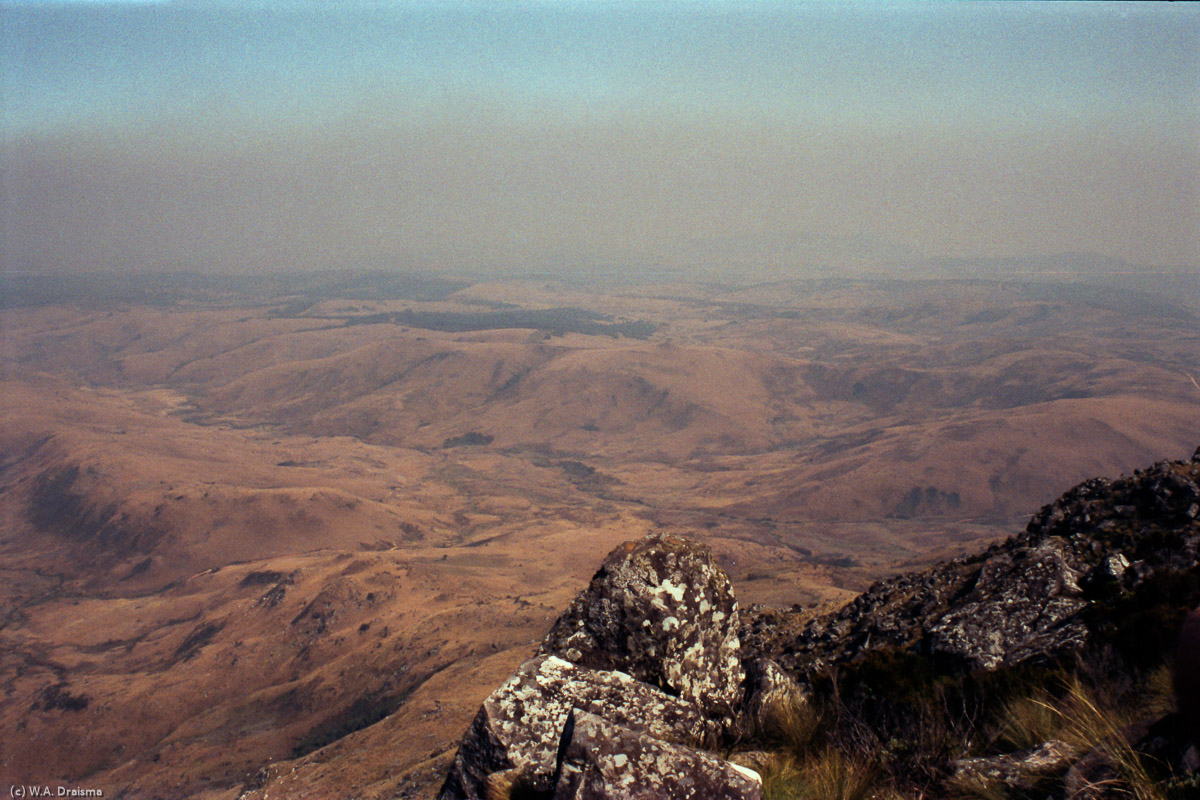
(644, 666)
(520, 725)
(1024, 600)
(603, 761)
(1025, 604)
(663, 611)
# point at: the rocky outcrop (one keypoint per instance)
(519, 728)
(664, 612)
(1025, 604)
(1025, 600)
(603, 761)
(653, 660)
(644, 667)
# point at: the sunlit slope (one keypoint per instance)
(118, 481)
(978, 403)
(212, 599)
(300, 535)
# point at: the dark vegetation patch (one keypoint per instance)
(557, 321)
(1142, 627)
(200, 636)
(583, 476)
(362, 713)
(898, 710)
(56, 698)
(273, 596)
(840, 561)
(54, 504)
(315, 618)
(928, 501)
(58, 505)
(471, 438)
(412, 531)
(265, 577)
(509, 387)
(845, 442)
(139, 568)
(986, 315)
(577, 470)
(113, 644)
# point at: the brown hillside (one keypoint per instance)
(281, 543)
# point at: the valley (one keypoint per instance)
(289, 531)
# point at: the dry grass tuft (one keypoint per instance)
(825, 775)
(1089, 723)
(803, 766)
(791, 724)
(1092, 724)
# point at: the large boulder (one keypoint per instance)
(1025, 605)
(603, 761)
(515, 736)
(661, 610)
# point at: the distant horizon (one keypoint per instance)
(794, 140)
(1015, 266)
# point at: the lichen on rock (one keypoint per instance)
(649, 649)
(662, 610)
(603, 761)
(1024, 605)
(520, 724)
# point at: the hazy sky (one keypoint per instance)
(271, 135)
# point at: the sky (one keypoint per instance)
(782, 138)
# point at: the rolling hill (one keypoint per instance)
(254, 530)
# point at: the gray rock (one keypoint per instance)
(1114, 566)
(603, 761)
(1024, 605)
(769, 691)
(1021, 599)
(664, 612)
(515, 735)
(1018, 770)
(1176, 493)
